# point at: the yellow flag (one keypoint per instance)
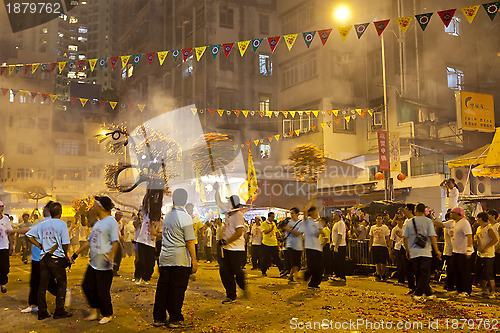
(269, 113)
(199, 52)
(285, 113)
(242, 46)
(404, 23)
(245, 113)
(335, 113)
(297, 132)
(61, 66)
(470, 12)
(315, 113)
(92, 63)
(113, 104)
(290, 40)
(395, 151)
(162, 56)
(221, 112)
(344, 32)
(292, 113)
(53, 98)
(194, 111)
(277, 137)
(83, 101)
(11, 68)
(141, 106)
(323, 125)
(253, 187)
(125, 60)
(359, 111)
(34, 67)
(370, 111)
(347, 118)
(256, 142)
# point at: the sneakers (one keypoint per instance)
(146, 283)
(431, 297)
(4, 289)
(418, 298)
(229, 300)
(159, 323)
(67, 299)
(338, 279)
(463, 294)
(93, 315)
(175, 324)
(105, 320)
(139, 282)
(30, 309)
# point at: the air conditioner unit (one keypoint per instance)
(485, 186)
(460, 176)
(378, 118)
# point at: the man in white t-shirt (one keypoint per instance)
(6, 247)
(338, 245)
(485, 239)
(294, 244)
(233, 252)
(379, 239)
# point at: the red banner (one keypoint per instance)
(383, 150)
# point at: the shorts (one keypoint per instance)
(294, 257)
(380, 254)
(485, 267)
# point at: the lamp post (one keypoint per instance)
(387, 174)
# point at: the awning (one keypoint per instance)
(488, 160)
(477, 156)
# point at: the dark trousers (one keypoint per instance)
(51, 267)
(410, 274)
(314, 267)
(287, 264)
(231, 273)
(219, 253)
(256, 256)
(496, 264)
(170, 291)
(208, 253)
(4, 267)
(118, 259)
(328, 260)
(97, 286)
(270, 254)
(340, 262)
(450, 278)
(401, 265)
(129, 249)
(35, 284)
(461, 269)
(26, 248)
(422, 268)
(145, 264)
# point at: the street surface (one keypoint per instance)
(274, 306)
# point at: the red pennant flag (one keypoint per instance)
(2, 70)
(324, 34)
(227, 48)
(211, 111)
(114, 61)
(53, 66)
(4, 91)
(151, 57)
(380, 26)
(337, 121)
(186, 53)
(261, 113)
(273, 42)
(103, 103)
(73, 100)
(27, 68)
(33, 94)
(446, 16)
(45, 96)
(81, 63)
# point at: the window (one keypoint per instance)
(265, 65)
(23, 173)
(287, 126)
(43, 123)
(454, 27)
(26, 122)
(372, 172)
(226, 64)
(455, 78)
(226, 17)
(188, 66)
(72, 47)
(93, 146)
(200, 17)
(94, 171)
(298, 19)
(298, 71)
(264, 103)
(68, 148)
(70, 174)
(25, 149)
(82, 30)
(375, 63)
(41, 174)
(188, 27)
(344, 126)
(265, 151)
(263, 24)
(342, 65)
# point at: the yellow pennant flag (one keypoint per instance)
(83, 101)
(34, 67)
(285, 113)
(141, 106)
(23, 93)
(404, 23)
(297, 132)
(359, 111)
(221, 112)
(269, 113)
(92, 63)
(335, 113)
(245, 113)
(242, 46)
(323, 125)
(53, 98)
(290, 40)
(61, 66)
(162, 56)
(277, 137)
(256, 142)
(194, 111)
(199, 52)
(125, 60)
(347, 118)
(370, 111)
(315, 113)
(113, 104)
(470, 12)
(253, 187)
(292, 113)
(11, 68)
(344, 32)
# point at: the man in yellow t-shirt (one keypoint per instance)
(270, 249)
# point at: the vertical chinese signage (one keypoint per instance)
(383, 150)
(476, 112)
(395, 151)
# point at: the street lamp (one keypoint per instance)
(342, 13)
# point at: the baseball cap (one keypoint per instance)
(458, 210)
(105, 202)
(337, 212)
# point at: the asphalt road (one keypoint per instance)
(362, 305)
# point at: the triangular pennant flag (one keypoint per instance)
(44, 67)
(308, 37)
(270, 139)
(92, 63)
(242, 46)
(297, 132)
(45, 96)
(27, 68)
(285, 113)
(329, 113)
(71, 65)
(124, 59)
(221, 112)
(261, 113)
(273, 42)
(360, 29)
(211, 111)
(34, 68)
(380, 26)
(237, 113)
(491, 9)
(151, 57)
(18, 67)
(291, 134)
(53, 98)
(227, 48)
(113, 104)
(313, 128)
(114, 61)
(370, 111)
(81, 64)
(337, 122)
(103, 103)
(324, 34)
(162, 56)
(276, 113)
(256, 44)
(423, 20)
(359, 111)
(245, 113)
(269, 114)
(11, 68)
(83, 101)
(23, 93)
(363, 114)
(14, 92)
(194, 111)
(136, 58)
(335, 113)
(470, 12)
(141, 106)
(353, 117)
(344, 32)
(256, 142)
(186, 53)
(404, 23)
(347, 118)
(4, 90)
(308, 113)
(228, 112)
(290, 40)
(277, 137)
(300, 113)
(175, 54)
(323, 125)
(130, 105)
(62, 64)
(446, 16)
(315, 113)
(73, 100)
(53, 66)
(214, 49)
(199, 52)
(102, 62)
(292, 113)
(33, 95)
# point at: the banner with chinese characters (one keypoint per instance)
(477, 112)
(395, 151)
(383, 150)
